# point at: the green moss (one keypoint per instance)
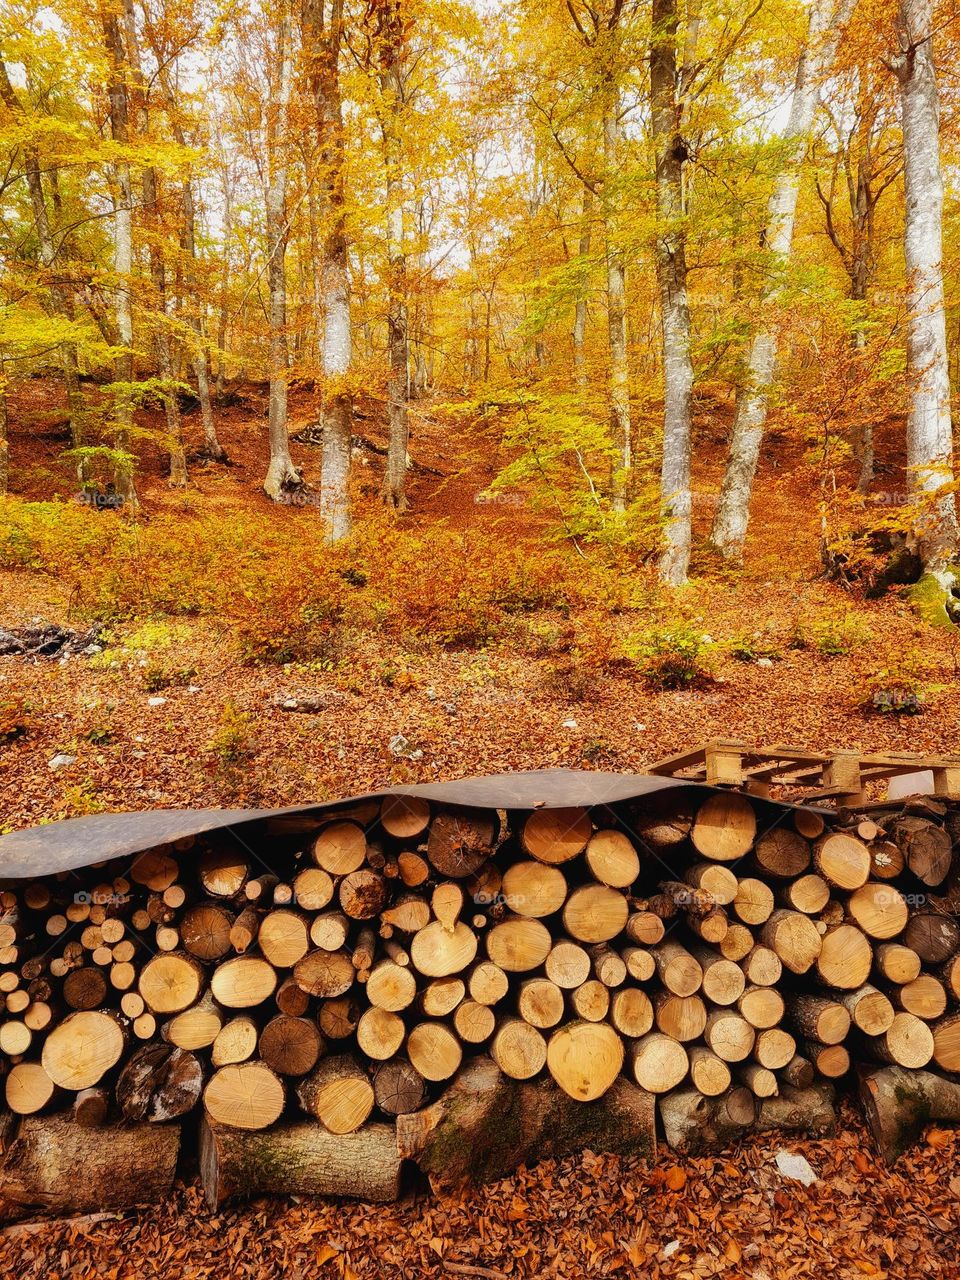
(930, 597)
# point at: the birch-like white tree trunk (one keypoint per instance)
(616, 322)
(671, 262)
(282, 475)
(929, 427)
(827, 18)
(322, 28)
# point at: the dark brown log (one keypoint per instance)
(291, 1046)
(85, 988)
(90, 1108)
(54, 1166)
(363, 894)
(782, 853)
(301, 1159)
(399, 1089)
(159, 1082)
(926, 848)
(933, 936)
(205, 931)
(485, 1125)
(460, 841)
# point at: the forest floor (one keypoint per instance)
(461, 711)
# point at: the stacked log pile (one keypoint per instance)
(725, 961)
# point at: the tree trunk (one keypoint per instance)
(282, 475)
(123, 258)
(929, 430)
(580, 309)
(391, 76)
(899, 1104)
(671, 261)
(321, 39)
(616, 326)
(733, 512)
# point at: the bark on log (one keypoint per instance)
(693, 1123)
(299, 1159)
(58, 1167)
(899, 1104)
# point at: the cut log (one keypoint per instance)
(398, 1087)
(753, 901)
(156, 870)
(90, 1108)
(886, 860)
(926, 848)
(761, 1082)
(195, 1028)
(236, 1042)
(713, 878)
(223, 872)
(708, 1073)
(534, 889)
(518, 1049)
(404, 817)
(518, 945)
(729, 1035)
(899, 1105)
(240, 983)
(540, 1002)
(842, 860)
(485, 1125)
(243, 931)
(631, 1012)
(925, 997)
(338, 1094)
(380, 1034)
(809, 894)
(290, 1046)
(724, 827)
(313, 889)
(933, 936)
(878, 910)
(946, 1043)
(870, 1010)
(159, 1083)
(320, 973)
(762, 1007)
(437, 952)
(609, 968)
(363, 895)
(799, 1073)
(762, 967)
(488, 983)
(205, 931)
(845, 958)
(460, 841)
(658, 1063)
(290, 999)
(591, 1000)
(774, 1048)
(782, 853)
(284, 938)
(612, 859)
(81, 1049)
(830, 1060)
(475, 1023)
(907, 1042)
(736, 943)
(678, 969)
(57, 1167)
(556, 835)
(585, 1058)
(299, 1159)
(440, 997)
(896, 962)
(340, 848)
(950, 976)
(391, 986)
(639, 963)
(693, 1123)
(170, 983)
(434, 1050)
(644, 928)
(805, 1109)
(820, 1018)
(794, 938)
(85, 988)
(338, 1017)
(28, 1088)
(664, 821)
(245, 1095)
(595, 913)
(681, 1018)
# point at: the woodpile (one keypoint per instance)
(325, 1002)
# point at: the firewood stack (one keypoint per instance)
(731, 960)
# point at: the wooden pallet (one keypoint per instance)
(843, 777)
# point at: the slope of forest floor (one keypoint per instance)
(83, 734)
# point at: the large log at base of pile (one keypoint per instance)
(485, 1125)
(693, 1123)
(899, 1104)
(55, 1166)
(299, 1158)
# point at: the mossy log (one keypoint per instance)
(486, 1125)
(51, 1165)
(299, 1159)
(899, 1104)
